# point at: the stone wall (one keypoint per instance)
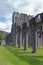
(24, 30)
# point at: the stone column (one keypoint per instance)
(36, 39)
(39, 41)
(34, 42)
(14, 34)
(25, 41)
(16, 39)
(3, 39)
(19, 37)
(25, 36)
(33, 32)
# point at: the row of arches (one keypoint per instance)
(20, 36)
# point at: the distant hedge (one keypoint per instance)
(1, 35)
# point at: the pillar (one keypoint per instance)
(33, 34)
(19, 37)
(14, 34)
(25, 36)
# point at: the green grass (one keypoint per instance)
(14, 56)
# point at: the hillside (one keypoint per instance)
(15, 56)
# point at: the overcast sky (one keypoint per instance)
(7, 7)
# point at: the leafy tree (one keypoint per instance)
(1, 35)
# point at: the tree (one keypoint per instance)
(1, 35)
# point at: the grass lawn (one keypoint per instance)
(14, 56)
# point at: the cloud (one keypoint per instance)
(7, 7)
(32, 7)
(2, 25)
(6, 26)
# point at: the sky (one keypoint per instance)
(7, 7)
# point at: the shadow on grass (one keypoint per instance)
(22, 55)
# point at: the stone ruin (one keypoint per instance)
(4, 36)
(26, 30)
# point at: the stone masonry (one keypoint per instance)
(27, 30)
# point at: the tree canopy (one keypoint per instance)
(1, 35)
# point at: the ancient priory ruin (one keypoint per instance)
(26, 30)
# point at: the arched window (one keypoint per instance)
(39, 18)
